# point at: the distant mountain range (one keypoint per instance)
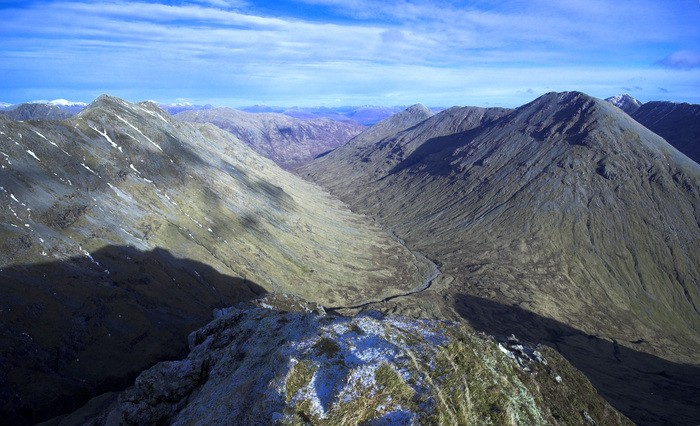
(283, 139)
(69, 106)
(678, 123)
(366, 114)
(173, 109)
(36, 111)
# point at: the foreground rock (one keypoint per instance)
(260, 366)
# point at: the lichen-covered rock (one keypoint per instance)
(261, 366)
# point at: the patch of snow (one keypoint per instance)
(89, 169)
(147, 138)
(104, 134)
(52, 143)
(30, 152)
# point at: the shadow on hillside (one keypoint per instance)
(440, 148)
(646, 388)
(72, 329)
(273, 193)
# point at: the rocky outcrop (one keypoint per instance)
(260, 366)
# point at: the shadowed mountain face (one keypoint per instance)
(564, 207)
(283, 139)
(678, 123)
(25, 112)
(90, 203)
(75, 328)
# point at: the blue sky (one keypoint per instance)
(348, 52)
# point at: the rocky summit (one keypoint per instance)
(261, 366)
(564, 213)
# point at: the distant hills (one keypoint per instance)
(173, 109)
(284, 139)
(366, 115)
(678, 123)
(25, 112)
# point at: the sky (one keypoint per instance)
(348, 52)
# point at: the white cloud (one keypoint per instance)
(391, 49)
(681, 60)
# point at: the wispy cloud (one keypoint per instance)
(681, 60)
(349, 49)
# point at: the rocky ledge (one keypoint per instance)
(261, 364)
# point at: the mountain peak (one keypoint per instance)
(104, 102)
(625, 102)
(395, 123)
(419, 109)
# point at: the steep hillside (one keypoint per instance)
(25, 112)
(283, 139)
(261, 366)
(678, 123)
(564, 212)
(122, 228)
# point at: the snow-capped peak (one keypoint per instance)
(5, 105)
(624, 99)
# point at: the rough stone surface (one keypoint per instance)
(259, 366)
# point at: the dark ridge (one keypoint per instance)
(678, 123)
(77, 328)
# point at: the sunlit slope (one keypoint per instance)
(127, 174)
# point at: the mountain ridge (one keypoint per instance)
(678, 123)
(565, 207)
